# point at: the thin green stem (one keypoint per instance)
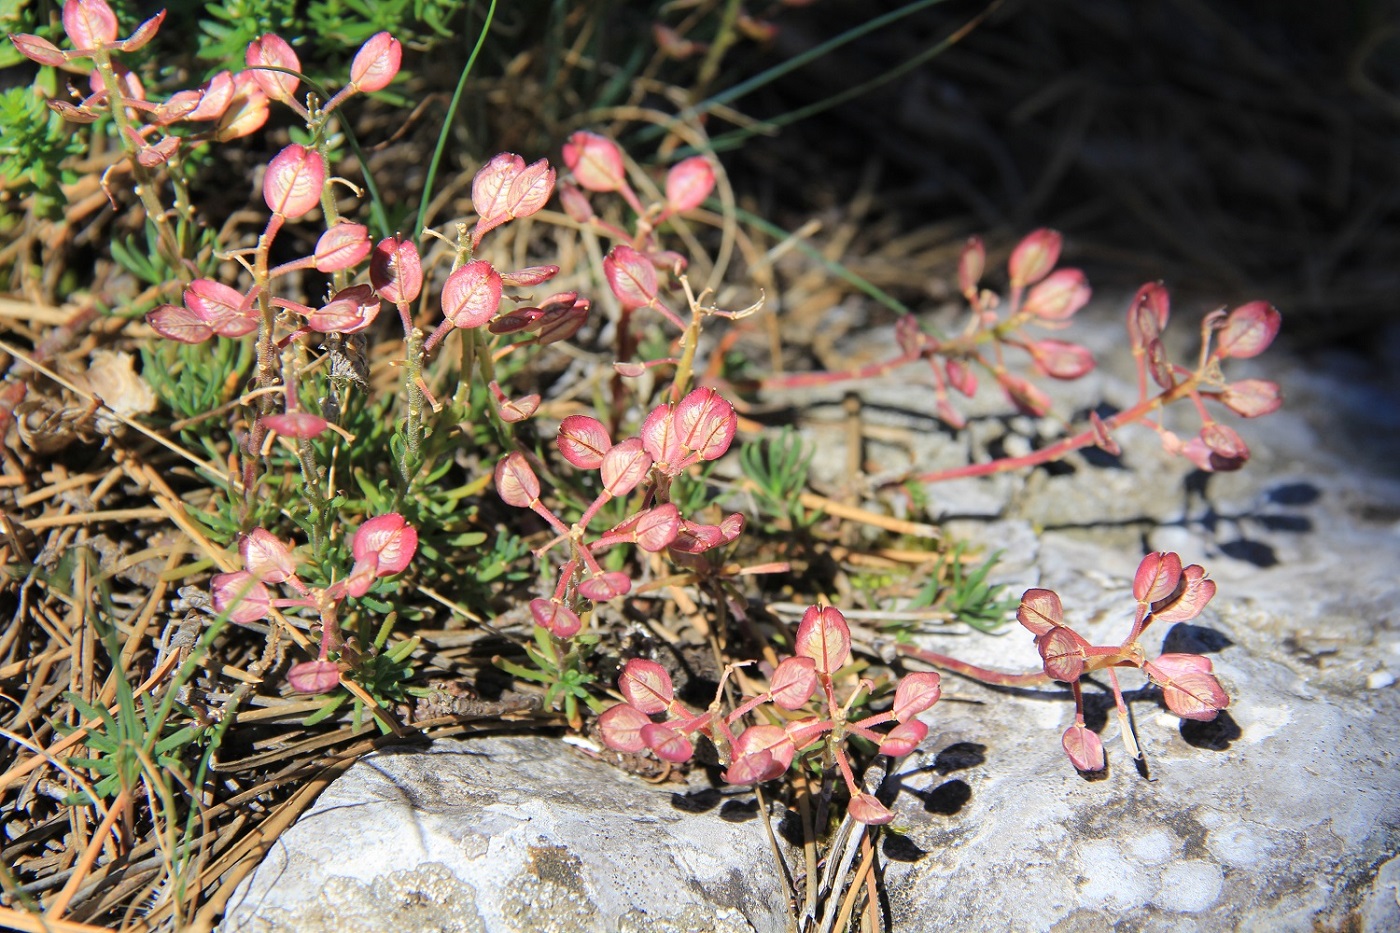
(447, 121)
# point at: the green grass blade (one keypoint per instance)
(835, 268)
(734, 92)
(447, 123)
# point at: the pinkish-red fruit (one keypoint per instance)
(646, 685)
(916, 692)
(273, 51)
(395, 270)
(689, 183)
(824, 636)
(89, 23)
(376, 62)
(1248, 330)
(1084, 748)
(342, 247)
(583, 441)
(1034, 257)
(631, 277)
(292, 185)
(314, 676)
(595, 161)
(472, 294)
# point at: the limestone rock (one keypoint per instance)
(510, 834)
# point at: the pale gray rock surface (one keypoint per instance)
(502, 834)
(1282, 815)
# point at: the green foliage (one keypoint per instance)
(561, 665)
(777, 468)
(966, 593)
(140, 735)
(331, 29)
(35, 143)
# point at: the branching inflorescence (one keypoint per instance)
(818, 706)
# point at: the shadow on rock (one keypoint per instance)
(1216, 735)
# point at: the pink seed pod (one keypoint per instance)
(621, 726)
(214, 98)
(760, 753)
(342, 247)
(349, 311)
(660, 437)
(1084, 748)
(961, 377)
(916, 692)
(177, 107)
(38, 49)
(1040, 611)
(1190, 598)
(561, 320)
(1063, 651)
(824, 636)
(595, 161)
(246, 111)
(266, 556)
(1188, 686)
(314, 676)
(293, 182)
(395, 270)
(605, 586)
(688, 183)
(272, 50)
(1060, 359)
(241, 596)
(226, 309)
(1027, 397)
(529, 276)
(866, 809)
(1148, 314)
(575, 203)
(624, 467)
(656, 528)
(143, 34)
(376, 63)
(389, 539)
(89, 24)
(631, 276)
(794, 681)
(971, 264)
(505, 188)
(1058, 296)
(1157, 576)
(646, 685)
(1248, 330)
(705, 423)
(583, 441)
(159, 153)
(179, 323)
(1034, 257)
(903, 738)
(557, 618)
(299, 424)
(1252, 398)
(667, 743)
(513, 410)
(516, 482)
(472, 295)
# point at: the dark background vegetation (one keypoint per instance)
(1235, 149)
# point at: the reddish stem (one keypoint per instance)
(1061, 448)
(972, 671)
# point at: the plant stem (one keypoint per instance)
(973, 672)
